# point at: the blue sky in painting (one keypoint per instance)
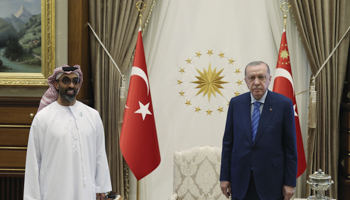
(8, 7)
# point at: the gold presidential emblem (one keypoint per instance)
(207, 81)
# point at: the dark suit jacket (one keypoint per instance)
(272, 155)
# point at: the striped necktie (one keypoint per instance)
(255, 119)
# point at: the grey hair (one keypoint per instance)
(256, 63)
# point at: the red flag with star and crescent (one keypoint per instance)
(284, 85)
(138, 139)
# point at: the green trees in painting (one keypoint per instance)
(25, 45)
(13, 49)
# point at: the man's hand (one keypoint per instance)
(288, 192)
(100, 196)
(226, 188)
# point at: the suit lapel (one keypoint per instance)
(246, 118)
(268, 111)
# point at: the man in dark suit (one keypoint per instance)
(259, 156)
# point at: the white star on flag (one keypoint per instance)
(143, 110)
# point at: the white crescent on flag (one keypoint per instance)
(139, 72)
(280, 72)
(295, 111)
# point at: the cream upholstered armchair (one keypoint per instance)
(197, 173)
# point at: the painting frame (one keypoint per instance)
(47, 49)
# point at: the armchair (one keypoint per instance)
(196, 174)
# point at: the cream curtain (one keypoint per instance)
(179, 29)
(300, 69)
(116, 24)
(321, 24)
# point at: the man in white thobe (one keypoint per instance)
(66, 157)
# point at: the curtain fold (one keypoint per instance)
(321, 24)
(116, 24)
(300, 70)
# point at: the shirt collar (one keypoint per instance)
(262, 100)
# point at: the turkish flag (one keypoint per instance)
(138, 139)
(284, 85)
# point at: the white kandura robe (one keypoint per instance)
(54, 169)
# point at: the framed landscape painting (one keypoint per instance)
(27, 42)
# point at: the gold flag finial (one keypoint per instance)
(140, 9)
(285, 12)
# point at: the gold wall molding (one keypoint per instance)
(14, 126)
(13, 148)
(12, 169)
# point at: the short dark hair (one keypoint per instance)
(256, 63)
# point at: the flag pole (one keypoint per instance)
(283, 73)
(285, 13)
(137, 192)
(140, 9)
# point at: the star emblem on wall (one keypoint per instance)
(221, 109)
(209, 82)
(238, 71)
(209, 112)
(205, 76)
(231, 61)
(182, 93)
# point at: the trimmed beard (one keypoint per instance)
(67, 97)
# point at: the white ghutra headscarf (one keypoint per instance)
(51, 94)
